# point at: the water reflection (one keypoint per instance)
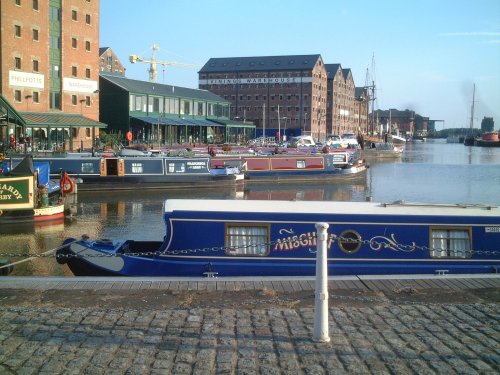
(432, 172)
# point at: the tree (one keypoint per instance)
(487, 124)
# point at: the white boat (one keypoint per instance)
(351, 140)
(396, 139)
(383, 150)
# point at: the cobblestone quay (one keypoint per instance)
(372, 334)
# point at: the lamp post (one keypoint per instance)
(81, 105)
(284, 132)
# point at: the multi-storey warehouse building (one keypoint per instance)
(285, 94)
(49, 72)
(289, 95)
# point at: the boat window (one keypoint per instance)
(137, 168)
(349, 241)
(450, 243)
(87, 167)
(247, 240)
(301, 164)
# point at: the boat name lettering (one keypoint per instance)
(9, 189)
(196, 164)
(302, 240)
(492, 229)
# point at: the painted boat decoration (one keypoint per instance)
(143, 172)
(27, 194)
(278, 238)
(305, 167)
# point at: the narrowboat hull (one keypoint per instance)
(130, 173)
(278, 238)
(296, 167)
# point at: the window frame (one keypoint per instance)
(228, 236)
(18, 63)
(17, 31)
(450, 252)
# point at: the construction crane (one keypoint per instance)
(152, 69)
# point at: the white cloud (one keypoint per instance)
(471, 33)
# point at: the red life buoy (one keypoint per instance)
(66, 183)
(129, 136)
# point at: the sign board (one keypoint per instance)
(16, 192)
(22, 79)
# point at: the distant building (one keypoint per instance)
(109, 63)
(168, 115)
(286, 94)
(49, 73)
(406, 122)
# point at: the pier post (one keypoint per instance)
(321, 333)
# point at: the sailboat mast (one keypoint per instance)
(472, 109)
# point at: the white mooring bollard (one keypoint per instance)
(321, 296)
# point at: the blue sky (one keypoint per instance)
(427, 54)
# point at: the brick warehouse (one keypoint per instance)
(49, 71)
(308, 96)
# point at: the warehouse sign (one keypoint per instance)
(255, 81)
(79, 85)
(22, 79)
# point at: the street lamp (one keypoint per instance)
(27, 97)
(284, 133)
(81, 105)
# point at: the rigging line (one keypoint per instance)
(40, 255)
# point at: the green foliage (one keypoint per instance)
(110, 140)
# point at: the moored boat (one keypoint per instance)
(294, 166)
(27, 194)
(144, 172)
(383, 150)
(278, 238)
(490, 139)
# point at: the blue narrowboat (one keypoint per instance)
(278, 238)
(143, 172)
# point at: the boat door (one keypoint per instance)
(112, 167)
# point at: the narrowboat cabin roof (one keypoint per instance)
(366, 208)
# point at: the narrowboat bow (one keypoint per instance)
(277, 238)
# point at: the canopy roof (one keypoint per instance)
(176, 121)
(57, 119)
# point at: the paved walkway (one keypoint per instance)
(383, 337)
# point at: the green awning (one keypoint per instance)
(8, 114)
(52, 119)
(235, 124)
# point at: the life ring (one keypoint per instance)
(66, 183)
(129, 136)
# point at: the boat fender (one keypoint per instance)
(67, 184)
(5, 267)
(64, 253)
